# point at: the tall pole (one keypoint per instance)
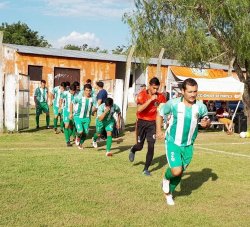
(126, 83)
(1, 81)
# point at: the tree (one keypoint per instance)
(120, 50)
(196, 32)
(85, 47)
(20, 33)
(72, 47)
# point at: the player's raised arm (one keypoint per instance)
(141, 107)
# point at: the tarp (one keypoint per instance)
(212, 84)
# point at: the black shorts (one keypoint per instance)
(145, 129)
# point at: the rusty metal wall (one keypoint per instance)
(66, 74)
(89, 69)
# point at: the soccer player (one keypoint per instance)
(101, 96)
(82, 114)
(185, 113)
(78, 92)
(66, 99)
(105, 121)
(41, 103)
(147, 102)
(56, 92)
(67, 85)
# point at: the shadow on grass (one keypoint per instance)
(35, 129)
(194, 181)
(121, 149)
(130, 127)
(160, 161)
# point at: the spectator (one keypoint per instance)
(211, 106)
(223, 117)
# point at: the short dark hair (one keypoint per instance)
(76, 83)
(190, 82)
(154, 81)
(67, 83)
(43, 81)
(109, 102)
(143, 85)
(88, 81)
(72, 87)
(63, 84)
(88, 86)
(100, 84)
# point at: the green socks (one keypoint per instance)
(61, 124)
(174, 181)
(47, 120)
(73, 131)
(55, 122)
(108, 143)
(83, 138)
(95, 137)
(37, 120)
(168, 174)
(66, 134)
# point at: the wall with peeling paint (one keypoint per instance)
(95, 70)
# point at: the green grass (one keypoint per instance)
(44, 183)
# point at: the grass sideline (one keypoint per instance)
(44, 183)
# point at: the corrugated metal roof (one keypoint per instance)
(95, 56)
(67, 53)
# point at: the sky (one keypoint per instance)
(61, 22)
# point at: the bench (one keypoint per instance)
(214, 123)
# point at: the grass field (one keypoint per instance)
(44, 183)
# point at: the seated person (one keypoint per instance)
(211, 108)
(222, 114)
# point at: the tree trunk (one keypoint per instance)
(246, 95)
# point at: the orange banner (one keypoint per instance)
(225, 96)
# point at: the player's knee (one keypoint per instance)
(109, 133)
(139, 146)
(176, 171)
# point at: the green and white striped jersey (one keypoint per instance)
(109, 116)
(41, 94)
(57, 93)
(82, 106)
(183, 127)
(67, 99)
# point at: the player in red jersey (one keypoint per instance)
(147, 104)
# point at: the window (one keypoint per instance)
(35, 72)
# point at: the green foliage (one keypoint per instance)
(85, 47)
(20, 33)
(193, 31)
(72, 47)
(120, 50)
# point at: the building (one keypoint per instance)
(57, 65)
